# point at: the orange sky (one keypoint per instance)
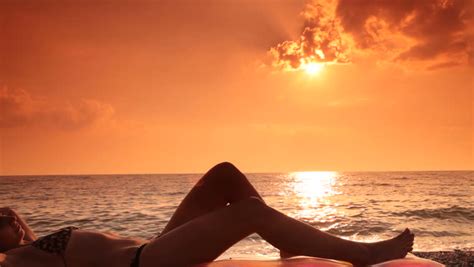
(178, 86)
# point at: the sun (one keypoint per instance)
(313, 68)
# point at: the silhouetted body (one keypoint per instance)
(221, 209)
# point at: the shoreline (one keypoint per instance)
(457, 257)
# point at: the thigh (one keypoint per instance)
(204, 238)
(222, 184)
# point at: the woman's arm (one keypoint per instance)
(29, 234)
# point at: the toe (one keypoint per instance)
(409, 236)
(403, 234)
(407, 232)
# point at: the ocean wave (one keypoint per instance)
(431, 233)
(377, 184)
(361, 227)
(176, 193)
(453, 212)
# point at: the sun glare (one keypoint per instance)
(313, 190)
(314, 185)
(313, 68)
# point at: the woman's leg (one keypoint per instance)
(204, 238)
(222, 184)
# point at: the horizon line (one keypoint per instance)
(259, 172)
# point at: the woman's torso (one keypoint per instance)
(84, 248)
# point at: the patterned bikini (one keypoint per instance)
(56, 243)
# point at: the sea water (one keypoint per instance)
(438, 206)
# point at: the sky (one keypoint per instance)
(271, 86)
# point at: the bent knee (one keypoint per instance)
(226, 166)
(225, 171)
(218, 173)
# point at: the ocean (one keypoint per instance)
(438, 206)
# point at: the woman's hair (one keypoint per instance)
(2, 248)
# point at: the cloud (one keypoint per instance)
(18, 108)
(443, 65)
(438, 27)
(437, 33)
(321, 40)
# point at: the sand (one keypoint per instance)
(457, 258)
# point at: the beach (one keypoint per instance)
(458, 258)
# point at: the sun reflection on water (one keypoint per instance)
(312, 194)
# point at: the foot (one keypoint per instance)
(394, 248)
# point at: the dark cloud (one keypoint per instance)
(438, 27)
(18, 108)
(438, 33)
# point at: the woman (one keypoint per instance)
(202, 227)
